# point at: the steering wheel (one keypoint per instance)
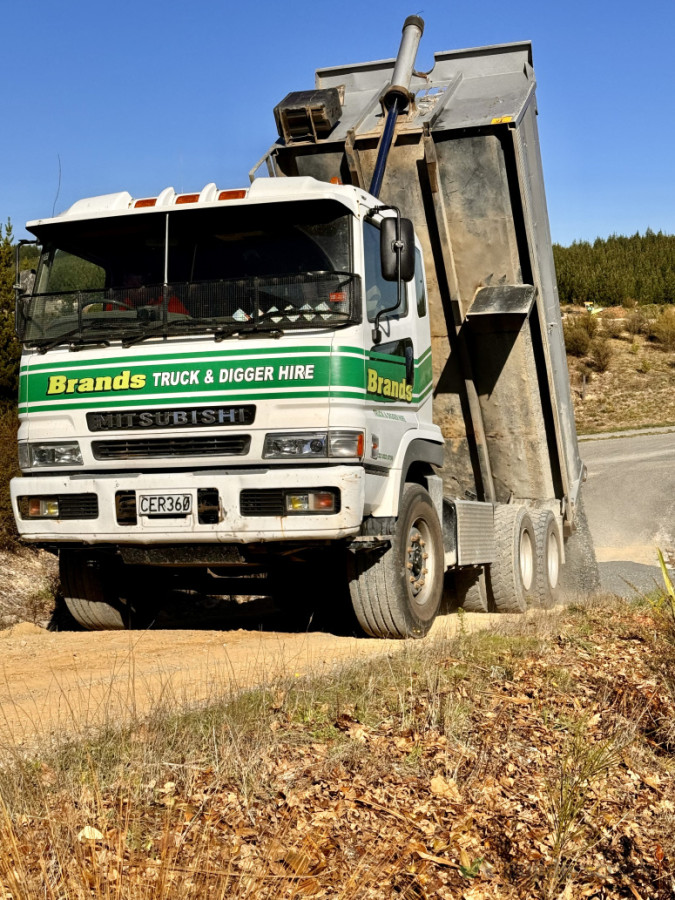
(107, 302)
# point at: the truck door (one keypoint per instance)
(392, 392)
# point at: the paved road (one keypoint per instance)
(630, 503)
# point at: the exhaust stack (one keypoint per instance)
(397, 96)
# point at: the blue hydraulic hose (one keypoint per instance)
(383, 152)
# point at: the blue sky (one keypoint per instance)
(141, 95)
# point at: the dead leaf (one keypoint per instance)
(439, 860)
(89, 833)
(444, 788)
(298, 861)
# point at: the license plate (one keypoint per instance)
(165, 504)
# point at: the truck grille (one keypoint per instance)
(262, 503)
(170, 447)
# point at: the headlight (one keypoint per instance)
(32, 456)
(314, 445)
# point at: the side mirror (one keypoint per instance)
(389, 243)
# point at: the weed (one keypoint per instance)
(570, 794)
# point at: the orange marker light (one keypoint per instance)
(187, 198)
(148, 201)
(232, 195)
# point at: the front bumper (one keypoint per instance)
(232, 526)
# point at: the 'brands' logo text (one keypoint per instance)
(386, 387)
(125, 381)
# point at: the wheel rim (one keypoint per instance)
(420, 563)
(553, 560)
(526, 560)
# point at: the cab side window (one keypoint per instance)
(380, 294)
(420, 293)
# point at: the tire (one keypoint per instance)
(89, 584)
(396, 592)
(512, 576)
(580, 574)
(471, 589)
(549, 559)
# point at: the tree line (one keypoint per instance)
(613, 270)
(609, 272)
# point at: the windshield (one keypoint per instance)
(223, 270)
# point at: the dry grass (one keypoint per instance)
(633, 384)
(516, 763)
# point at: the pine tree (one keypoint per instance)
(10, 349)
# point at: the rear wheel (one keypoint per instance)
(471, 589)
(549, 559)
(513, 573)
(396, 591)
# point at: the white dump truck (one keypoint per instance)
(345, 379)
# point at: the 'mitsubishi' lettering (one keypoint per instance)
(124, 381)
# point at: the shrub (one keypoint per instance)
(601, 354)
(589, 323)
(663, 329)
(10, 468)
(629, 303)
(637, 323)
(613, 329)
(577, 339)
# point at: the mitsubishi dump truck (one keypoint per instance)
(346, 379)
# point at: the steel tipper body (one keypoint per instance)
(465, 166)
(463, 163)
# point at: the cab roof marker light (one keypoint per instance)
(232, 195)
(186, 198)
(146, 201)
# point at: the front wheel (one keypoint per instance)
(89, 586)
(101, 594)
(396, 592)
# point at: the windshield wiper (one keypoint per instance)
(183, 325)
(70, 335)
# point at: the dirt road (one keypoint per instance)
(53, 683)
